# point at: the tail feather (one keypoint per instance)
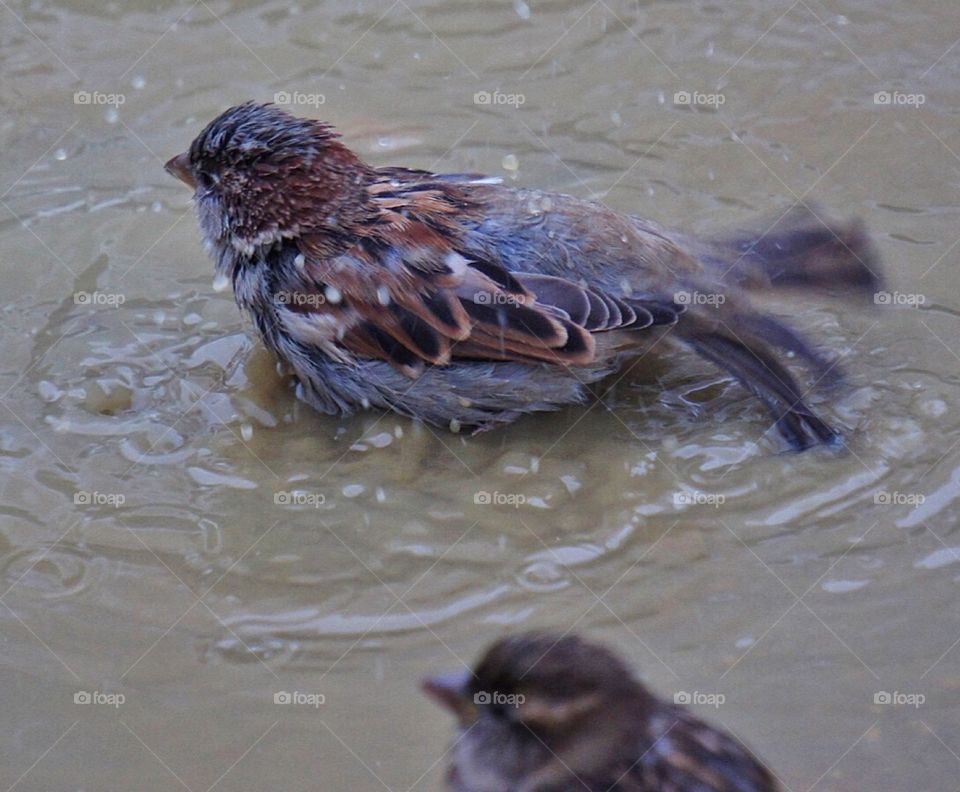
(800, 250)
(750, 361)
(781, 335)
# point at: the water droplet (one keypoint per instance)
(842, 586)
(383, 295)
(210, 536)
(246, 432)
(543, 576)
(111, 116)
(456, 263)
(48, 391)
(221, 282)
(510, 162)
(353, 490)
(138, 81)
(380, 440)
(333, 294)
(522, 9)
(60, 154)
(300, 261)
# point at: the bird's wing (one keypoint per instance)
(686, 754)
(405, 293)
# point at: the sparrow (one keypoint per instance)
(550, 713)
(454, 299)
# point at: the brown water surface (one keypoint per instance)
(177, 530)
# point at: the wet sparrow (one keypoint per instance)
(551, 713)
(454, 299)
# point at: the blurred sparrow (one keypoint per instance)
(462, 302)
(550, 713)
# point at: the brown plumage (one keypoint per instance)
(550, 713)
(457, 300)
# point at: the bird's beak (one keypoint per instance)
(449, 689)
(179, 166)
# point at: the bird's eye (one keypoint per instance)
(206, 180)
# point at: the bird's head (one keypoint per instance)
(261, 175)
(539, 700)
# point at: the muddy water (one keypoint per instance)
(182, 541)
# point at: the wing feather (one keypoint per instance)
(406, 292)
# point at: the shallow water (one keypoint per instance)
(178, 531)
